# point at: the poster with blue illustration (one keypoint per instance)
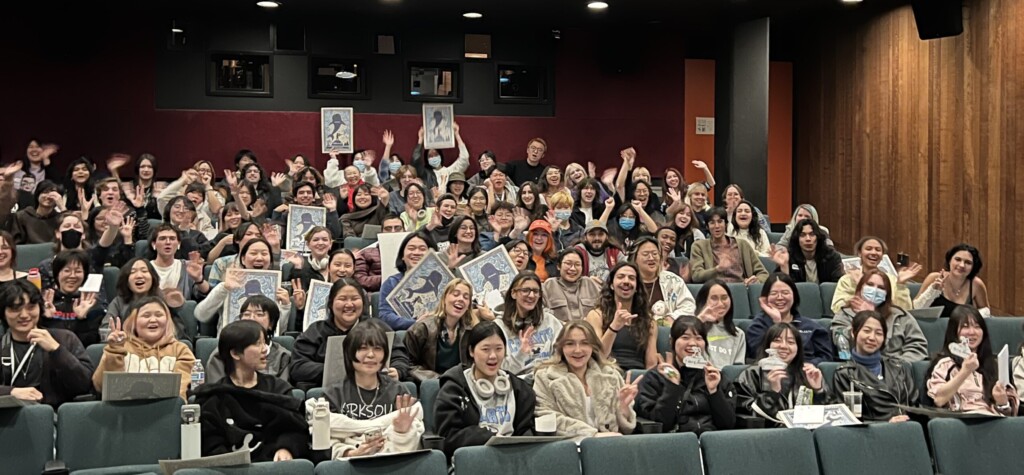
(419, 291)
(490, 275)
(336, 129)
(316, 303)
(254, 282)
(300, 220)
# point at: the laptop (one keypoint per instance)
(930, 313)
(120, 386)
(370, 231)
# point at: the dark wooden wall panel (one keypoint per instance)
(918, 142)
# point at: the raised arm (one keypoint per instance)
(628, 156)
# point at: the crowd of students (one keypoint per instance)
(602, 260)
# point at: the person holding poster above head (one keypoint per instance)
(432, 171)
(964, 375)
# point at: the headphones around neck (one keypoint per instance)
(486, 389)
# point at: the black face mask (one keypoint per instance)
(70, 239)
(447, 221)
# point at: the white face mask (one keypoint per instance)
(873, 294)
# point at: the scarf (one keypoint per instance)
(872, 362)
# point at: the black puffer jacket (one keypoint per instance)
(880, 396)
(661, 400)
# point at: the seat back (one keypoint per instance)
(187, 314)
(110, 275)
(556, 457)
(288, 342)
(375, 304)
(769, 264)
(828, 290)
(743, 324)
(774, 237)
(873, 448)
(652, 453)
(357, 243)
(204, 348)
(761, 451)
(935, 332)
(958, 445)
(428, 399)
(919, 371)
(828, 371)
(142, 248)
(664, 340)
(732, 372)
(740, 301)
(420, 463)
(315, 393)
(26, 438)
(694, 289)
(284, 467)
(30, 255)
(1005, 331)
(95, 352)
(754, 298)
(103, 434)
(810, 300)
(913, 288)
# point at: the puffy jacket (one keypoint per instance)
(905, 339)
(661, 400)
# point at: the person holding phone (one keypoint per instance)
(965, 377)
(764, 391)
(884, 382)
(371, 413)
(682, 397)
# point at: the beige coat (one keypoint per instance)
(561, 393)
(571, 306)
(703, 267)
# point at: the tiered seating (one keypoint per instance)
(763, 451)
(966, 447)
(874, 448)
(26, 438)
(103, 434)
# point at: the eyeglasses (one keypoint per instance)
(649, 254)
(535, 149)
(780, 293)
(572, 265)
(528, 291)
(518, 251)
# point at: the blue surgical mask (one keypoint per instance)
(627, 223)
(874, 295)
(434, 162)
(360, 165)
(394, 166)
(562, 214)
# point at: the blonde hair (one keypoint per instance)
(469, 318)
(642, 170)
(597, 355)
(560, 198)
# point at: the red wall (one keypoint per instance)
(106, 103)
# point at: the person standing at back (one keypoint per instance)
(530, 169)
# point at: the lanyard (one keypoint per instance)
(28, 357)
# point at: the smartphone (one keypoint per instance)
(903, 260)
(374, 434)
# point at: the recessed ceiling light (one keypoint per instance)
(473, 15)
(177, 30)
(851, 1)
(268, 4)
(345, 75)
(597, 5)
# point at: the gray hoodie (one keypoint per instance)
(725, 349)
(904, 339)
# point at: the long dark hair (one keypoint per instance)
(702, 300)
(766, 289)
(975, 256)
(684, 324)
(795, 369)
(535, 316)
(453, 232)
(124, 290)
(341, 284)
(69, 182)
(641, 327)
(478, 333)
(861, 318)
(754, 230)
(960, 317)
(796, 253)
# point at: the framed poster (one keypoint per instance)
(254, 282)
(316, 302)
(438, 129)
(300, 220)
(420, 290)
(336, 130)
(490, 275)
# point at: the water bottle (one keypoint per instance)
(34, 278)
(843, 345)
(198, 375)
